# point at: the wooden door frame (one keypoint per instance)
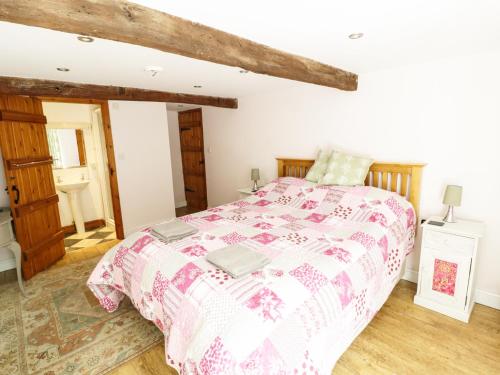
(110, 152)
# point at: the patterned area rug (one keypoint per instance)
(60, 328)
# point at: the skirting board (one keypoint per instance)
(487, 298)
(181, 204)
(110, 223)
(480, 296)
(410, 275)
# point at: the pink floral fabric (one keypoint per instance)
(267, 304)
(336, 253)
(444, 277)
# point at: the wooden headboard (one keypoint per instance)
(404, 179)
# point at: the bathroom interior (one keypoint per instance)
(76, 142)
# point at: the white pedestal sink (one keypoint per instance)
(72, 189)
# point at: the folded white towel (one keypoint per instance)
(173, 230)
(237, 260)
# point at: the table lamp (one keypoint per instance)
(255, 177)
(452, 197)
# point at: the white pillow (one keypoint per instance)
(319, 167)
(347, 170)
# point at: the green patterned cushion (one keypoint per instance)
(345, 169)
(319, 167)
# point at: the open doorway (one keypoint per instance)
(83, 174)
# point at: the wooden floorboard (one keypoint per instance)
(403, 338)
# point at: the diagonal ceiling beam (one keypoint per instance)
(135, 24)
(40, 87)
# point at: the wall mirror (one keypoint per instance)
(67, 147)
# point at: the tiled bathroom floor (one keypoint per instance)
(88, 239)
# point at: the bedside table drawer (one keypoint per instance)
(448, 242)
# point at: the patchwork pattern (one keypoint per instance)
(217, 360)
(343, 286)
(311, 278)
(186, 276)
(265, 238)
(267, 304)
(335, 251)
(232, 238)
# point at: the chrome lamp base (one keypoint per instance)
(255, 187)
(450, 216)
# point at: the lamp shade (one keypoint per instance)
(255, 174)
(453, 195)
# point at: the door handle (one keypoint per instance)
(18, 194)
(189, 190)
(202, 162)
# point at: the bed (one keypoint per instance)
(337, 253)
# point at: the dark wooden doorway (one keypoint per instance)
(30, 183)
(193, 158)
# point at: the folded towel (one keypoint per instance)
(237, 260)
(173, 230)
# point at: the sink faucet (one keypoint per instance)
(83, 176)
(59, 179)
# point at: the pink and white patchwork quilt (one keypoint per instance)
(336, 256)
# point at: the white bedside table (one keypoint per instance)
(447, 269)
(245, 192)
(7, 240)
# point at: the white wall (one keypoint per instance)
(445, 113)
(176, 157)
(67, 112)
(142, 150)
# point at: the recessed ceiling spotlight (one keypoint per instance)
(62, 69)
(356, 36)
(197, 86)
(243, 71)
(153, 70)
(85, 39)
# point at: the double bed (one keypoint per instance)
(336, 254)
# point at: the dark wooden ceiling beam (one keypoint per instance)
(135, 24)
(41, 87)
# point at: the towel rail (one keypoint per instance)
(28, 162)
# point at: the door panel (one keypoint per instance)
(445, 277)
(193, 158)
(30, 182)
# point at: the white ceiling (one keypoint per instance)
(396, 33)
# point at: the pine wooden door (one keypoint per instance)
(30, 183)
(193, 158)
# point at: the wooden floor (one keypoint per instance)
(403, 338)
